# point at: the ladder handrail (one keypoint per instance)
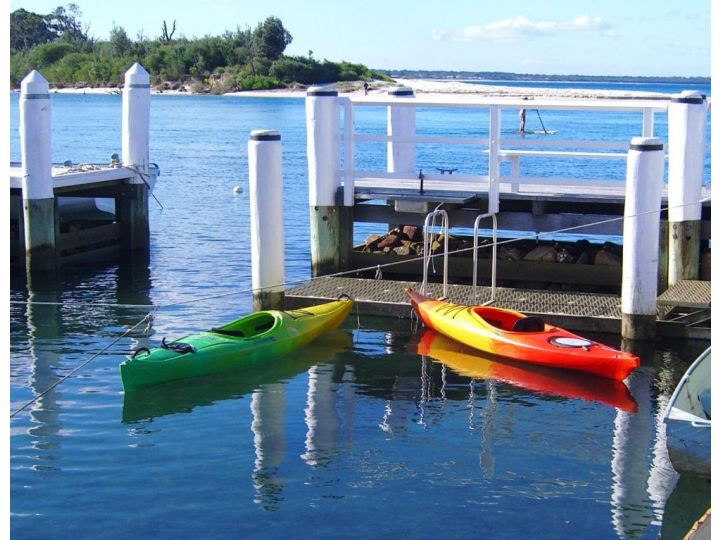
(427, 245)
(493, 278)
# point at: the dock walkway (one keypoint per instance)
(585, 312)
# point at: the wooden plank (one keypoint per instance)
(90, 236)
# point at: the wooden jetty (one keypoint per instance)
(665, 227)
(48, 229)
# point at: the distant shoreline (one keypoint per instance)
(420, 86)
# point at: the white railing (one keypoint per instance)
(494, 147)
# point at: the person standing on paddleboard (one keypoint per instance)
(521, 114)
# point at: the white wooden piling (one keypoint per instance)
(643, 194)
(133, 205)
(37, 187)
(266, 218)
(401, 123)
(687, 115)
(327, 242)
(136, 120)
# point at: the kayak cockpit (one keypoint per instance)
(509, 321)
(250, 326)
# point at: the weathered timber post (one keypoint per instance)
(330, 235)
(643, 195)
(37, 187)
(266, 219)
(132, 207)
(687, 114)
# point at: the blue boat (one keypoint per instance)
(687, 420)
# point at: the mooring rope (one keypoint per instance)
(376, 267)
(78, 368)
(155, 308)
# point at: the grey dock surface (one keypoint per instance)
(588, 312)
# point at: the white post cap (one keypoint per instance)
(322, 91)
(646, 143)
(137, 77)
(34, 84)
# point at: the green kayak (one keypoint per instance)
(245, 342)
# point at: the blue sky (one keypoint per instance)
(600, 37)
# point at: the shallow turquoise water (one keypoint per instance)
(359, 432)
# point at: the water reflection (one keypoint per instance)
(471, 363)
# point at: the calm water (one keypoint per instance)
(376, 427)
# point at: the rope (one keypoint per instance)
(376, 267)
(143, 177)
(78, 368)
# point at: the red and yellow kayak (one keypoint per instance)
(511, 334)
(470, 362)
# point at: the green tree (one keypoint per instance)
(28, 30)
(271, 38)
(66, 24)
(120, 43)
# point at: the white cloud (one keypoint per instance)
(521, 28)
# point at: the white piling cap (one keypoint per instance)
(265, 135)
(136, 75)
(329, 91)
(688, 96)
(646, 143)
(34, 83)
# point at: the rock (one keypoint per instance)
(371, 242)
(541, 254)
(402, 250)
(413, 233)
(510, 254)
(607, 258)
(564, 256)
(390, 240)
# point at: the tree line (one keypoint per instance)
(59, 45)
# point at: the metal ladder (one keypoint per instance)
(493, 275)
(426, 249)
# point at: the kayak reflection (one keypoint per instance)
(184, 395)
(469, 362)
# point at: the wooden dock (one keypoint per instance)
(582, 312)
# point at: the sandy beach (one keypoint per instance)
(428, 87)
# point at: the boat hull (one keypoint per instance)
(687, 420)
(247, 342)
(489, 330)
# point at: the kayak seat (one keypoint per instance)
(529, 324)
(234, 333)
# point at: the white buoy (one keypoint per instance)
(687, 116)
(237, 189)
(643, 194)
(37, 188)
(266, 218)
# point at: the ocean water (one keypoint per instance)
(378, 427)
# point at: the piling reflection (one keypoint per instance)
(44, 326)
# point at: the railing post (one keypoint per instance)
(686, 137)
(133, 208)
(37, 187)
(643, 195)
(494, 161)
(330, 238)
(401, 123)
(266, 219)
(349, 159)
